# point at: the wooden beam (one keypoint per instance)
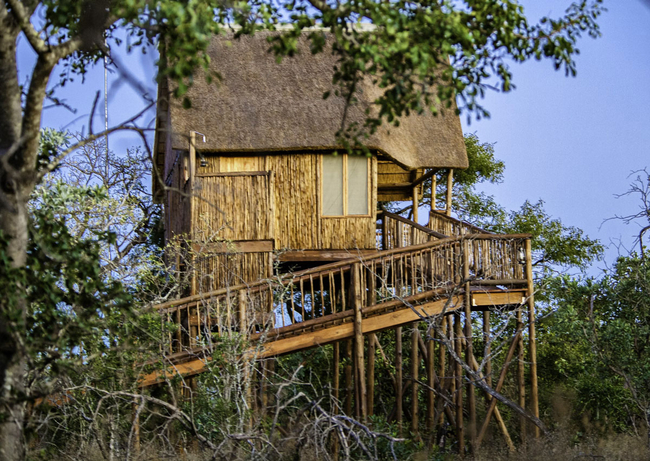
(360, 375)
(232, 173)
(398, 378)
(521, 377)
(469, 351)
(458, 373)
(323, 255)
(502, 377)
(370, 405)
(497, 415)
(430, 381)
(423, 178)
(450, 183)
(532, 339)
(235, 246)
(415, 366)
(497, 298)
(348, 378)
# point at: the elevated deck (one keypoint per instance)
(363, 294)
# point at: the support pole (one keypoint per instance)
(370, 404)
(502, 377)
(398, 378)
(450, 184)
(348, 378)
(416, 204)
(415, 365)
(430, 381)
(521, 376)
(469, 351)
(534, 400)
(459, 386)
(442, 360)
(434, 187)
(360, 375)
(487, 338)
(335, 438)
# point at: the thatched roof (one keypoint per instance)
(262, 106)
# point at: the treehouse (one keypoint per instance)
(251, 171)
(252, 179)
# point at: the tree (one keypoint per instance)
(596, 335)
(406, 53)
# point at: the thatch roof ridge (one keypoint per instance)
(262, 106)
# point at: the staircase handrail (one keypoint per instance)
(472, 227)
(419, 227)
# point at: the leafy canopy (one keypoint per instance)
(424, 54)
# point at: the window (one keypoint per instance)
(345, 185)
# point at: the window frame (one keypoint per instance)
(345, 189)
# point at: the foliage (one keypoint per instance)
(597, 341)
(69, 301)
(63, 271)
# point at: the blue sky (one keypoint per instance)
(573, 142)
(570, 141)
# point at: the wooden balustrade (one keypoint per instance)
(441, 223)
(400, 232)
(436, 267)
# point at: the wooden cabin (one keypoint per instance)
(249, 169)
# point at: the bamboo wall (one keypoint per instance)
(274, 198)
(393, 175)
(285, 208)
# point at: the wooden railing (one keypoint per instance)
(441, 223)
(306, 298)
(398, 232)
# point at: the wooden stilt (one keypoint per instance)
(471, 394)
(360, 375)
(336, 372)
(434, 187)
(497, 414)
(488, 348)
(398, 378)
(469, 351)
(348, 378)
(431, 404)
(442, 360)
(264, 388)
(521, 377)
(502, 377)
(370, 404)
(416, 204)
(450, 183)
(415, 365)
(458, 372)
(336, 409)
(530, 292)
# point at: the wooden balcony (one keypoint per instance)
(410, 282)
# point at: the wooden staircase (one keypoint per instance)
(424, 274)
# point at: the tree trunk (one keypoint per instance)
(13, 225)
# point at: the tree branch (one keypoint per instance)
(22, 15)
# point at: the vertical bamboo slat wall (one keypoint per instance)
(294, 205)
